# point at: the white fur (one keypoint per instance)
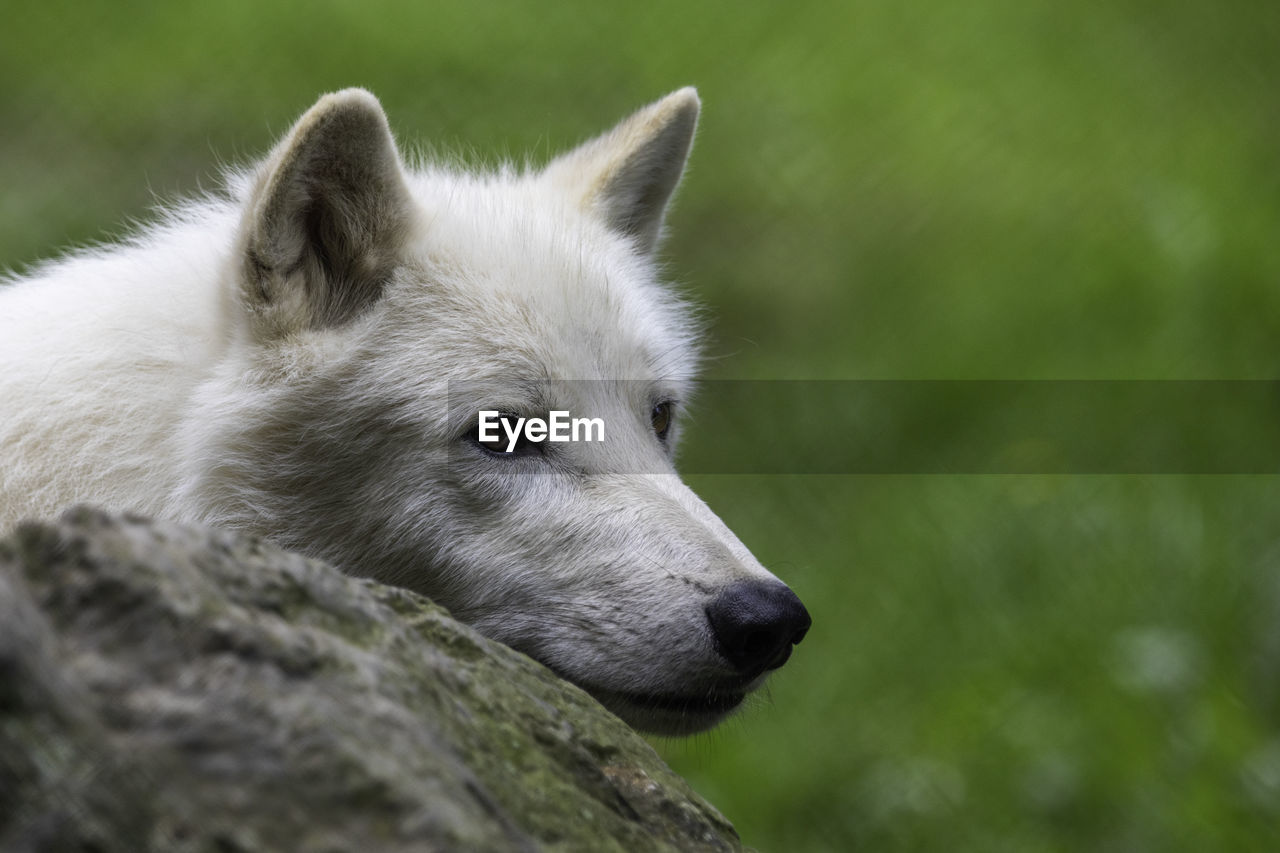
(280, 360)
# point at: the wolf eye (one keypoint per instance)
(661, 418)
(523, 446)
(498, 445)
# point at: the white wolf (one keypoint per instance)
(305, 358)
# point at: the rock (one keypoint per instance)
(171, 688)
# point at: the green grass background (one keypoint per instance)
(993, 189)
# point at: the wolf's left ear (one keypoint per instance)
(627, 176)
(326, 220)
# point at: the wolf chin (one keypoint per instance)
(285, 359)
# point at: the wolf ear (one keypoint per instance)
(627, 176)
(326, 220)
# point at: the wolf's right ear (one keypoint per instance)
(628, 175)
(326, 220)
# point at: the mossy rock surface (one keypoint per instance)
(172, 688)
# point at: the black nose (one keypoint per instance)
(756, 623)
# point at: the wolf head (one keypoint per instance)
(372, 310)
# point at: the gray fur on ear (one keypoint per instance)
(327, 218)
(628, 175)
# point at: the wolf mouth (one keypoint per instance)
(714, 704)
(672, 715)
(710, 704)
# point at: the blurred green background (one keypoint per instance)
(994, 189)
